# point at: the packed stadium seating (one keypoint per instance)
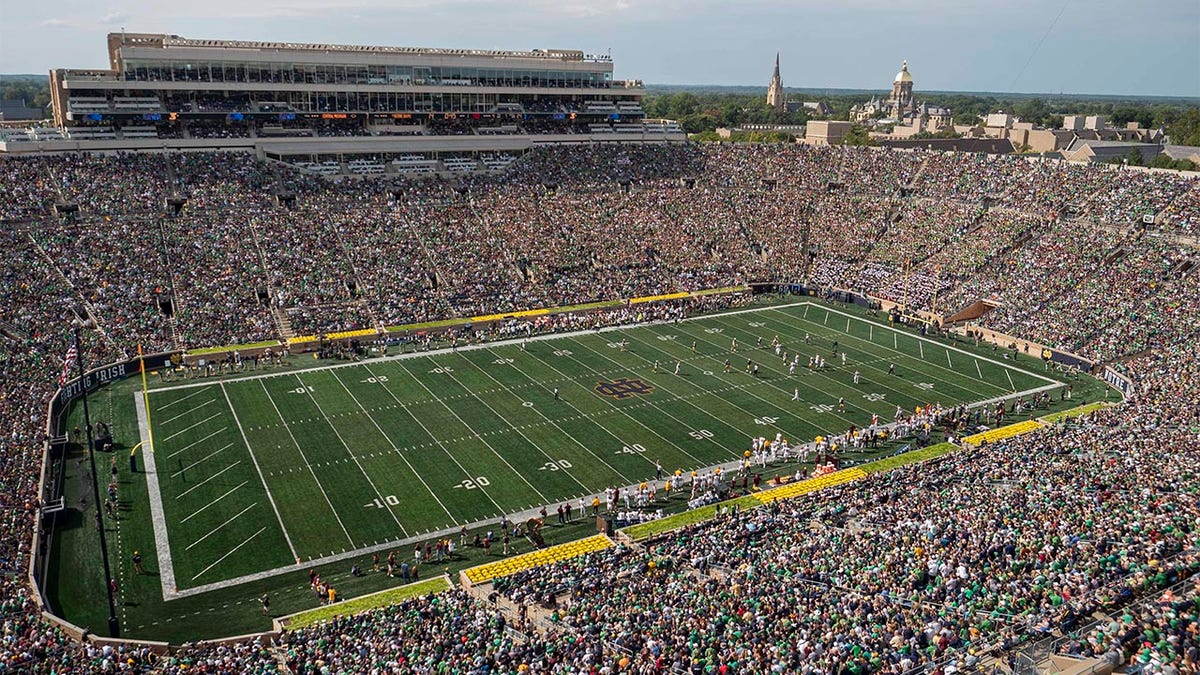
(956, 562)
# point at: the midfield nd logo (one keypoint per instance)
(622, 388)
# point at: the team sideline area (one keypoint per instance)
(267, 482)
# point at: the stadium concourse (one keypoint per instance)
(1033, 538)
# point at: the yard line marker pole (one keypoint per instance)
(895, 345)
(149, 445)
(872, 332)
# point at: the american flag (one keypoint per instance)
(68, 364)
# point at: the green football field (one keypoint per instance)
(253, 474)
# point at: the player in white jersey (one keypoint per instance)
(857, 377)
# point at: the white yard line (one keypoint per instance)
(1006, 366)
(186, 429)
(189, 412)
(231, 552)
(705, 413)
(306, 463)
(948, 361)
(353, 456)
(768, 363)
(582, 415)
(218, 528)
(274, 507)
(512, 426)
(162, 545)
(548, 419)
(978, 369)
(195, 443)
(395, 448)
(218, 499)
(205, 481)
(626, 414)
(479, 437)
(437, 441)
(205, 458)
(206, 386)
(1010, 380)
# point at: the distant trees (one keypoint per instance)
(777, 137)
(858, 136)
(35, 92)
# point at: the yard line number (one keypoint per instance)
(389, 500)
(475, 483)
(555, 465)
(634, 449)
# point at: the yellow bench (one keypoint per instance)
(545, 556)
(810, 485)
(1001, 433)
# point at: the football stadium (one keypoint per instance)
(340, 359)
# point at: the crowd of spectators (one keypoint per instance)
(933, 566)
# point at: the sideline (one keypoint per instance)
(162, 545)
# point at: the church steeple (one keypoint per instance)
(775, 96)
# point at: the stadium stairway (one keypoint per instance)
(537, 617)
(971, 312)
(916, 179)
(283, 323)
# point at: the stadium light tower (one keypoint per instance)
(114, 626)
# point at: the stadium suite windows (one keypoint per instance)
(456, 76)
(186, 74)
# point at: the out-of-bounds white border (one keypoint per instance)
(162, 543)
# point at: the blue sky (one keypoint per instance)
(1148, 47)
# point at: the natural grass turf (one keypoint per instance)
(1076, 412)
(366, 602)
(439, 444)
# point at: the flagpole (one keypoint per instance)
(114, 626)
